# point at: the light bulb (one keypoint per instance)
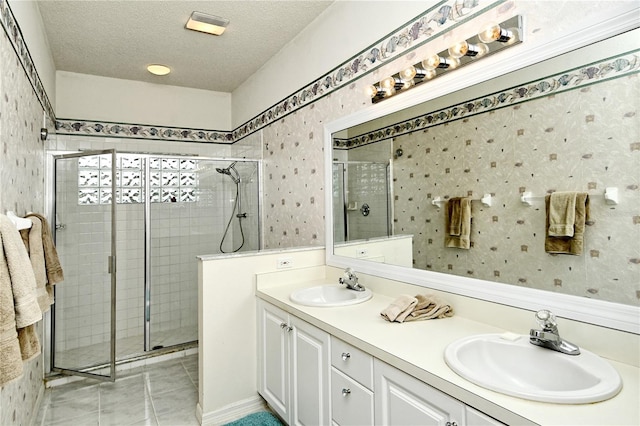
(408, 73)
(514, 35)
(407, 84)
(429, 74)
(371, 91)
(483, 49)
(458, 50)
(453, 63)
(433, 62)
(391, 83)
(387, 82)
(495, 33)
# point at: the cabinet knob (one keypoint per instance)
(289, 329)
(346, 356)
(451, 424)
(346, 392)
(283, 325)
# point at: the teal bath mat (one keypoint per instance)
(263, 418)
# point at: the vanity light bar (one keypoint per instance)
(491, 39)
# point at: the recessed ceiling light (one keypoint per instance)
(158, 69)
(205, 23)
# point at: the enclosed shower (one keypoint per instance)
(128, 230)
(362, 195)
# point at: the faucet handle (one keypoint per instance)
(546, 319)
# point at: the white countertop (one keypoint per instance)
(418, 348)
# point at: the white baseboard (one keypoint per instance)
(231, 412)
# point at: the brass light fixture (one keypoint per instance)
(489, 40)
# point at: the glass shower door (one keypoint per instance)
(84, 321)
(173, 233)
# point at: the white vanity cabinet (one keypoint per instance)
(311, 378)
(293, 366)
(401, 399)
(351, 385)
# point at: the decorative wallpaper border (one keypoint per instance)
(607, 69)
(141, 131)
(442, 17)
(14, 34)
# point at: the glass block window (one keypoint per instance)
(171, 180)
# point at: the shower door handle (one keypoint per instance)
(111, 264)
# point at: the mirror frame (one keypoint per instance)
(603, 313)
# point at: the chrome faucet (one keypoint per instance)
(351, 280)
(549, 337)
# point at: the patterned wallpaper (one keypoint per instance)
(581, 140)
(22, 172)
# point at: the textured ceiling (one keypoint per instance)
(120, 38)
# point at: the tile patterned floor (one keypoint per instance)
(164, 393)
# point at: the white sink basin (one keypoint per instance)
(511, 365)
(329, 296)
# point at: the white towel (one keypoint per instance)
(23, 281)
(18, 304)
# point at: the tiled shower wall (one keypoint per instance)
(179, 232)
(369, 184)
(22, 172)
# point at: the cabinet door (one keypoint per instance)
(273, 364)
(401, 399)
(310, 367)
(476, 418)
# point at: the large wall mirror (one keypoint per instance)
(567, 123)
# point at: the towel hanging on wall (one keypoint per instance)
(573, 244)
(19, 308)
(457, 218)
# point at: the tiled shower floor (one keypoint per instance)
(126, 347)
(165, 393)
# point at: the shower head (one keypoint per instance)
(227, 171)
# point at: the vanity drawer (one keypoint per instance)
(352, 361)
(351, 403)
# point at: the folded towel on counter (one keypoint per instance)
(55, 274)
(430, 306)
(400, 308)
(568, 244)
(32, 239)
(421, 307)
(458, 223)
(562, 214)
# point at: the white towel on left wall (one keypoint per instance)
(19, 308)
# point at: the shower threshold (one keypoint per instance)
(55, 378)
